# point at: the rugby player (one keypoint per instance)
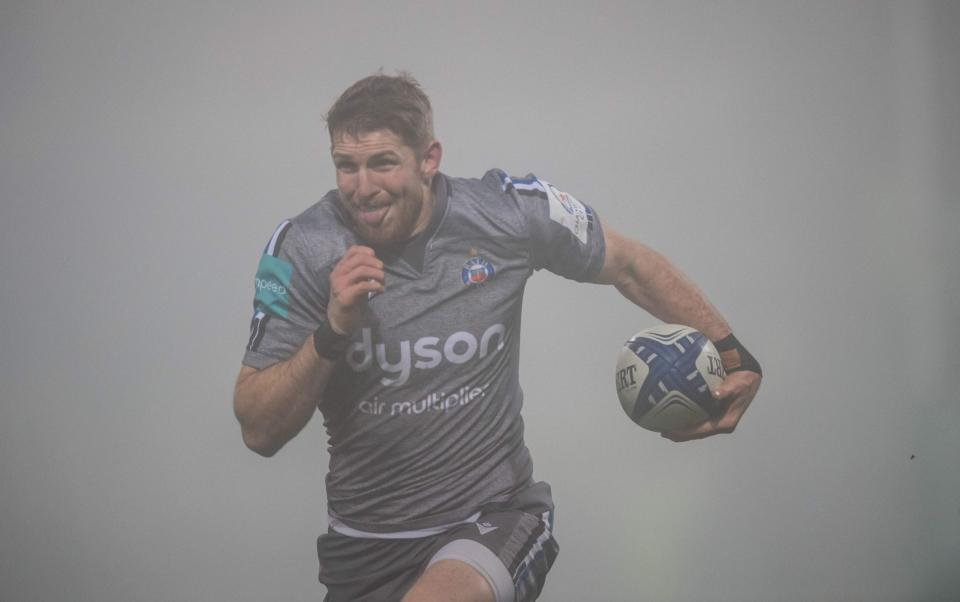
(392, 305)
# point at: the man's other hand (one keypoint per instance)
(735, 394)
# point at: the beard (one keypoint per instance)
(398, 223)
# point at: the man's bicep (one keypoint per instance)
(619, 258)
(245, 373)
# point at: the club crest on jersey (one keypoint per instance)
(476, 270)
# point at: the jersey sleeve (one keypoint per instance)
(288, 302)
(565, 236)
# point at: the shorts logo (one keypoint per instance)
(476, 270)
(486, 527)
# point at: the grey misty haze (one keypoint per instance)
(797, 160)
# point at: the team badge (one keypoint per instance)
(476, 270)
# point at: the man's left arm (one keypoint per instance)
(646, 278)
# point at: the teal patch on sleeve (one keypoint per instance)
(273, 286)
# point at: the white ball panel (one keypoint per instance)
(672, 412)
(631, 372)
(710, 366)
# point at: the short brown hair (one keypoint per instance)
(395, 103)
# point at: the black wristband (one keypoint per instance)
(747, 361)
(329, 343)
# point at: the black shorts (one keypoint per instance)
(511, 545)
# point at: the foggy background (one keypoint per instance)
(799, 161)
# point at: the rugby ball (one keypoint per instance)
(665, 376)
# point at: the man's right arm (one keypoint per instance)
(274, 404)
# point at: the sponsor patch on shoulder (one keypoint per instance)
(272, 286)
(568, 211)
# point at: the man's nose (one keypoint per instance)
(366, 189)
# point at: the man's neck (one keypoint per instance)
(413, 250)
(426, 212)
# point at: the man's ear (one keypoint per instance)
(430, 164)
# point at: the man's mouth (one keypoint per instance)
(372, 216)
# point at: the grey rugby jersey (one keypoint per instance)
(423, 413)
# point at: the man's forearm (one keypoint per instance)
(669, 295)
(275, 403)
(649, 280)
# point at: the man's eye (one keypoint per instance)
(382, 165)
(346, 167)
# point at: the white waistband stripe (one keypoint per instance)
(338, 526)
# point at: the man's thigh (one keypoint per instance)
(511, 546)
(450, 580)
(512, 549)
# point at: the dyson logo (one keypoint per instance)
(424, 354)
